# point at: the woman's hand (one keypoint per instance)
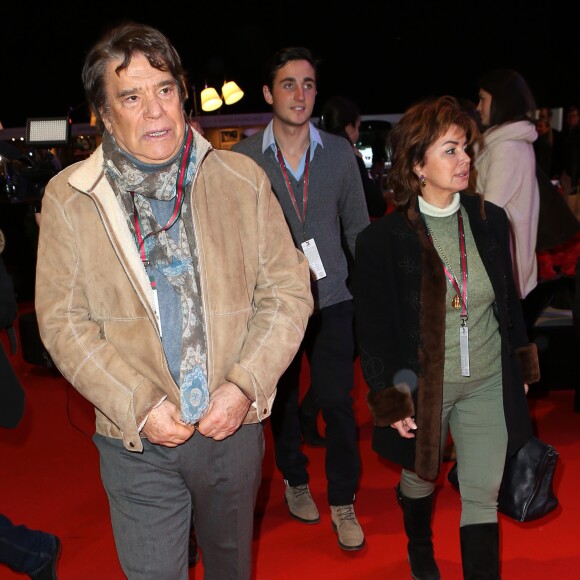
(526, 388)
(404, 427)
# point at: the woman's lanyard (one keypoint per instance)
(180, 194)
(460, 298)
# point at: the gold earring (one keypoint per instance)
(422, 180)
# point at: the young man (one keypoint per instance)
(170, 294)
(316, 180)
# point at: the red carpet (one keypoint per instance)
(50, 480)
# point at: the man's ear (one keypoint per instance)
(106, 122)
(267, 95)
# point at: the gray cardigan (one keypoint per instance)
(335, 201)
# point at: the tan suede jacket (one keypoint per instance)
(94, 300)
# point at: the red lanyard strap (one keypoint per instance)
(185, 156)
(461, 292)
(463, 266)
(301, 217)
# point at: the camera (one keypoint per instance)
(23, 178)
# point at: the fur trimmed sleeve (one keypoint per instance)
(528, 363)
(390, 405)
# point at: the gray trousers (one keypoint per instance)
(474, 412)
(151, 495)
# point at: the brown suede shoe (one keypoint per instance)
(345, 524)
(301, 504)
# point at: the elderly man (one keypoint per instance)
(170, 294)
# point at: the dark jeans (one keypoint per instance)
(329, 347)
(22, 549)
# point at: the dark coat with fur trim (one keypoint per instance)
(400, 302)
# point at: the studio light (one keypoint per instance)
(48, 131)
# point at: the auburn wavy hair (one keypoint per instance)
(419, 127)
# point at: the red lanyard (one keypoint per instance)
(178, 200)
(302, 217)
(462, 292)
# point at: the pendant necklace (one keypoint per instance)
(459, 301)
(460, 298)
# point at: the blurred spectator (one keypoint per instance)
(506, 165)
(570, 175)
(543, 145)
(379, 162)
(31, 552)
(548, 133)
(558, 242)
(341, 116)
(471, 108)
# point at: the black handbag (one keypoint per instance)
(526, 491)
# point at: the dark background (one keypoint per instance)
(384, 55)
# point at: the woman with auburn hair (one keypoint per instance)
(441, 334)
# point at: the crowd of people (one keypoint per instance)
(233, 266)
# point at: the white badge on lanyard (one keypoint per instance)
(464, 347)
(311, 252)
(156, 309)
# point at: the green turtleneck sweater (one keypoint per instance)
(484, 339)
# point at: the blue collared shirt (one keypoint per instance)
(270, 141)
